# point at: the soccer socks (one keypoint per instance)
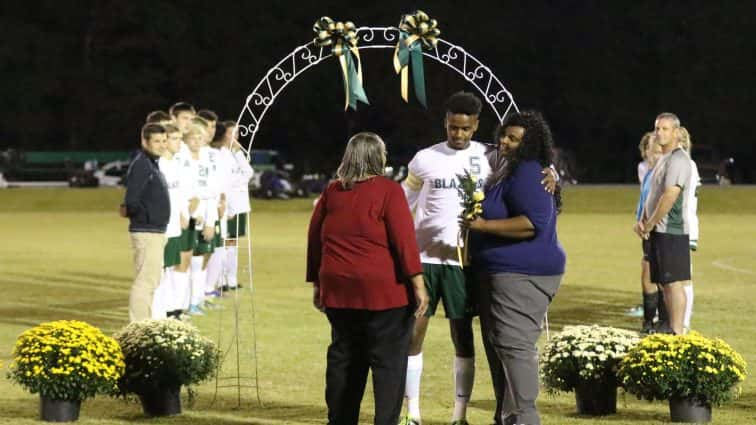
(182, 291)
(464, 378)
(198, 277)
(412, 385)
(232, 264)
(688, 305)
(650, 304)
(215, 269)
(162, 296)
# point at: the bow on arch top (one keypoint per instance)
(342, 37)
(416, 31)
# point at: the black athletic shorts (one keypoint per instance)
(645, 245)
(669, 258)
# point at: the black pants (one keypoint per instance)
(364, 340)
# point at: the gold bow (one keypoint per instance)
(342, 36)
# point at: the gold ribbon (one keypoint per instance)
(416, 31)
(342, 36)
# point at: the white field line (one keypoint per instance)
(724, 266)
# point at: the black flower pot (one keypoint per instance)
(161, 401)
(58, 410)
(689, 410)
(596, 399)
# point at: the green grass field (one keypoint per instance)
(65, 255)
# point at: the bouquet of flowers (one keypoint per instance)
(471, 198)
(584, 355)
(662, 367)
(164, 354)
(66, 360)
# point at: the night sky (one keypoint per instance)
(82, 75)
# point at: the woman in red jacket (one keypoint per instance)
(361, 253)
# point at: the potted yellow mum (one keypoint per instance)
(691, 371)
(65, 362)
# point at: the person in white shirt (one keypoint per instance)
(237, 201)
(206, 214)
(691, 192)
(173, 284)
(431, 190)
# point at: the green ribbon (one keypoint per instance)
(342, 36)
(416, 31)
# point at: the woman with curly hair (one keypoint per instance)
(518, 262)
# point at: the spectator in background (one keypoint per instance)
(147, 205)
(361, 252)
(653, 298)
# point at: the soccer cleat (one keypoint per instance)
(213, 294)
(195, 310)
(648, 328)
(636, 311)
(460, 422)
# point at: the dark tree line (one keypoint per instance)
(82, 75)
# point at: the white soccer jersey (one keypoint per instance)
(431, 189)
(203, 185)
(171, 169)
(690, 193)
(238, 194)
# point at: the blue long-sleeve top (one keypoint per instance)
(520, 194)
(645, 186)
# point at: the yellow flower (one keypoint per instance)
(478, 196)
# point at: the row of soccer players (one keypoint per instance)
(207, 175)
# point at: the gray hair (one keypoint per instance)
(669, 116)
(365, 156)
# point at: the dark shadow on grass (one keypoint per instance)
(581, 305)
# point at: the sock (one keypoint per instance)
(214, 268)
(198, 278)
(663, 316)
(688, 305)
(182, 290)
(650, 305)
(464, 378)
(161, 296)
(232, 264)
(412, 385)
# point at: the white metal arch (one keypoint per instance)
(305, 56)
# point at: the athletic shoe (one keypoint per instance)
(636, 311)
(648, 328)
(460, 422)
(195, 310)
(213, 294)
(409, 421)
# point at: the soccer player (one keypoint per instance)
(173, 283)
(237, 202)
(431, 190)
(222, 160)
(691, 192)
(182, 114)
(147, 205)
(653, 300)
(664, 222)
(159, 117)
(206, 214)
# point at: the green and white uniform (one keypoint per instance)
(431, 189)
